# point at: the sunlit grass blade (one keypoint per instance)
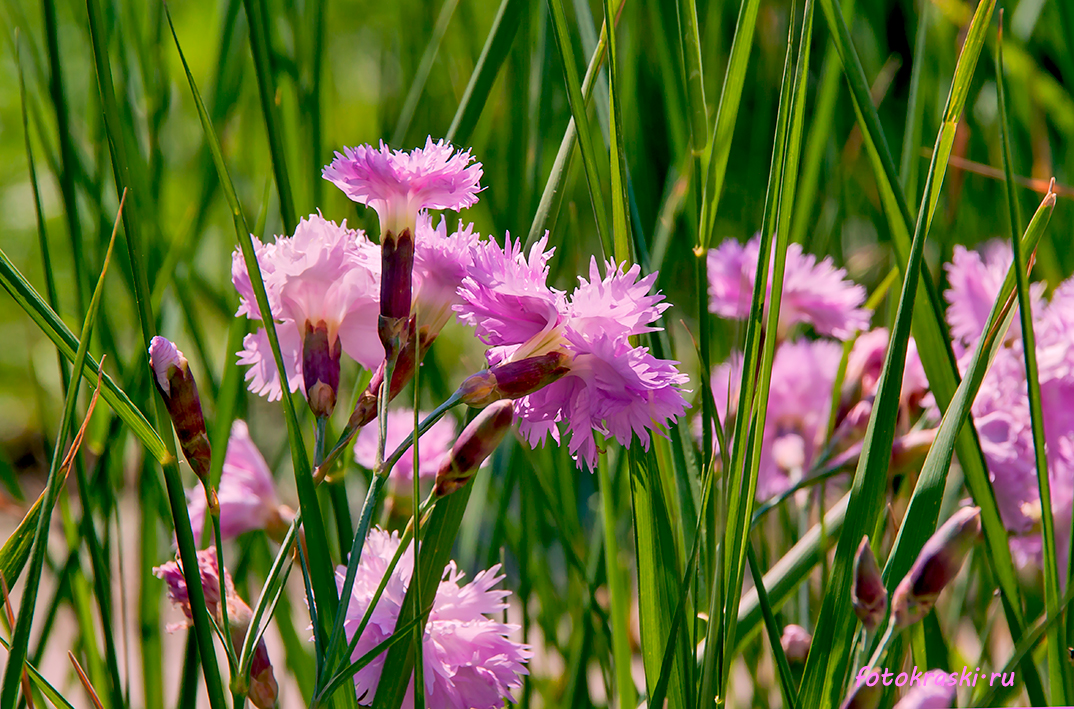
(552, 195)
(911, 138)
(257, 20)
(1060, 678)
(321, 572)
(497, 45)
(929, 330)
(621, 235)
(828, 657)
(20, 639)
(425, 66)
(581, 120)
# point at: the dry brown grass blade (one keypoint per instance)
(85, 681)
(9, 613)
(65, 466)
(1043, 187)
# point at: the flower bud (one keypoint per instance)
(474, 444)
(795, 642)
(263, 689)
(513, 380)
(937, 564)
(171, 372)
(365, 410)
(396, 287)
(868, 595)
(320, 369)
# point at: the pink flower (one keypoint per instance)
(932, 693)
(816, 294)
(799, 405)
(866, 361)
(441, 262)
(470, 660)
(247, 492)
(324, 277)
(399, 185)
(611, 387)
(432, 447)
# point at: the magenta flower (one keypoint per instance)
(1001, 409)
(933, 693)
(432, 447)
(470, 660)
(399, 185)
(247, 492)
(610, 386)
(816, 294)
(325, 280)
(799, 405)
(441, 262)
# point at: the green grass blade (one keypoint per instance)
(726, 116)
(775, 633)
(425, 66)
(1061, 680)
(581, 120)
(497, 46)
(56, 477)
(50, 323)
(552, 195)
(618, 591)
(257, 20)
(621, 235)
(321, 572)
(914, 108)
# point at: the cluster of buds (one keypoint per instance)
(171, 373)
(868, 594)
(262, 689)
(938, 563)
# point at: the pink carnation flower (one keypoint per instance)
(470, 660)
(1001, 409)
(611, 387)
(399, 185)
(933, 692)
(817, 294)
(432, 447)
(799, 406)
(247, 492)
(441, 262)
(325, 273)
(866, 361)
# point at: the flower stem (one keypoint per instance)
(624, 683)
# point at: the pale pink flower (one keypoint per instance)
(816, 294)
(441, 262)
(247, 493)
(324, 276)
(399, 185)
(432, 447)
(470, 660)
(932, 693)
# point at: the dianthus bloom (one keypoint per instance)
(263, 689)
(432, 447)
(816, 294)
(933, 692)
(441, 262)
(470, 660)
(605, 384)
(247, 492)
(399, 185)
(799, 406)
(321, 283)
(1001, 409)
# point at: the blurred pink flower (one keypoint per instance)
(470, 660)
(866, 361)
(325, 275)
(432, 447)
(247, 492)
(817, 294)
(611, 387)
(799, 405)
(399, 185)
(1001, 409)
(933, 693)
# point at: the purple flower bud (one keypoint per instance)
(320, 369)
(513, 380)
(937, 564)
(474, 444)
(869, 596)
(396, 287)
(795, 642)
(180, 393)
